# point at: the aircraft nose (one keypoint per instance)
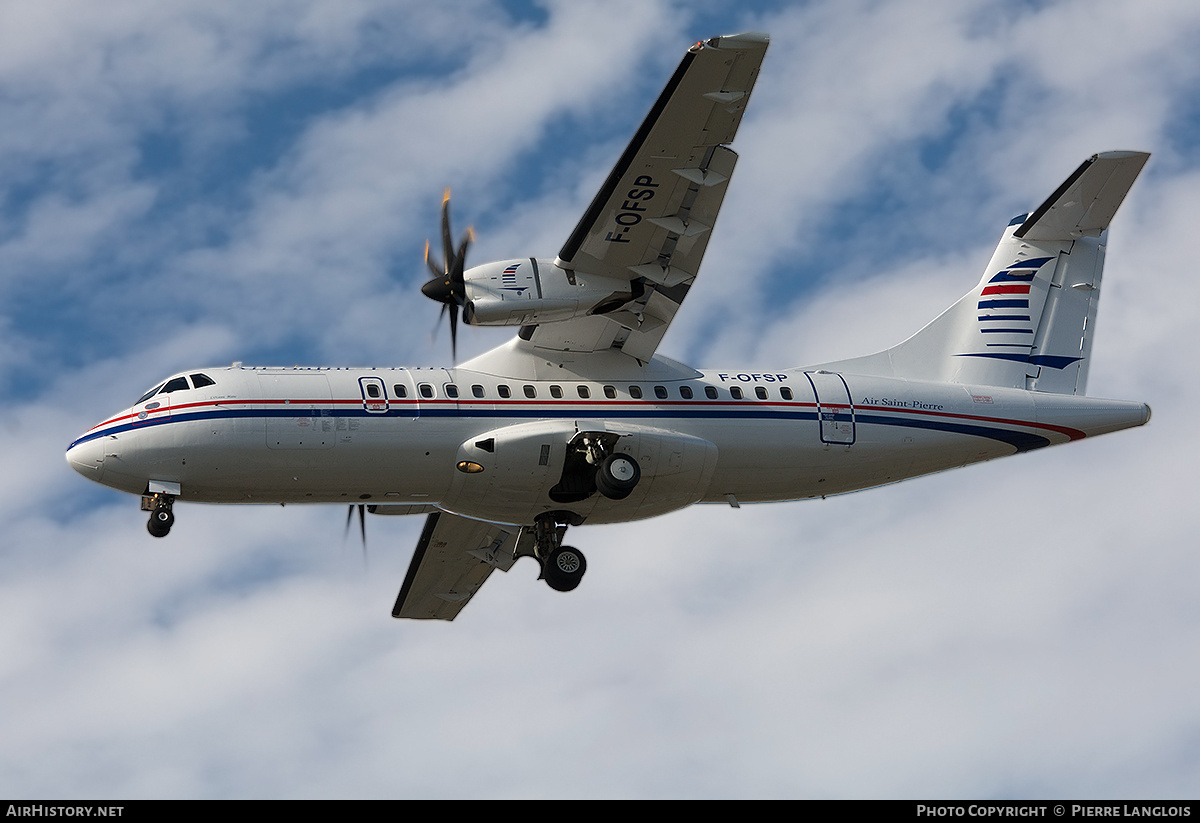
(87, 458)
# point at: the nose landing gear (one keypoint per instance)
(161, 516)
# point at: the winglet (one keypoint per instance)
(1085, 203)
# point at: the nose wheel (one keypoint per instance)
(161, 516)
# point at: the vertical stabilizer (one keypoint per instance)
(1030, 321)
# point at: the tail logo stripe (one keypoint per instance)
(1003, 304)
(1015, 289)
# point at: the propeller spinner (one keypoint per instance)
(447, 286)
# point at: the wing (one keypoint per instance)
(651, 220)
(453, 558)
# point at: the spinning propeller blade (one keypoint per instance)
(362, 526)
(447, 286)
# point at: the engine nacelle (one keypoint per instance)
(512, 474)
(528, 291)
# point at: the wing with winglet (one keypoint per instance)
(651, 220)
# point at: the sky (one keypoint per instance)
(189, 184)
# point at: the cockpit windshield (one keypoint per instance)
(180, 383)
(149, 394)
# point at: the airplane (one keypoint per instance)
(577, 420)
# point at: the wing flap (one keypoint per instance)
(453, 558)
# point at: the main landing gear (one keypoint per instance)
(562, 566)
(617, 475)
(593, 465)
(161, 517)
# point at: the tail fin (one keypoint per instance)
(1030, 321)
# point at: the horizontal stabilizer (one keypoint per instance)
(1085, 203)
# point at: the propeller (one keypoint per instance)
(447, 286)
(362, 526)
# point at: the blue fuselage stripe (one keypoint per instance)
(1023, 441)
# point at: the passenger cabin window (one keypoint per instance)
(451, 390)
(660, 392)
(685, 392)
(503, 390)
(372, 390)
(530, 391)
(635, 392)
(400, 390)
(710, 392)
(199, 381)
(477, 390)
(760, 392)
(584, 393)
(556, 391)
(610, 392)
(736, 392)
(175, 384)
(786, 393)
(426, 390)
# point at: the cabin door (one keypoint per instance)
(835, 411)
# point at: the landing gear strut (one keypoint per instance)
(562, 566)
(161, 517)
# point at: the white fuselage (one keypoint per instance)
(398, 436)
